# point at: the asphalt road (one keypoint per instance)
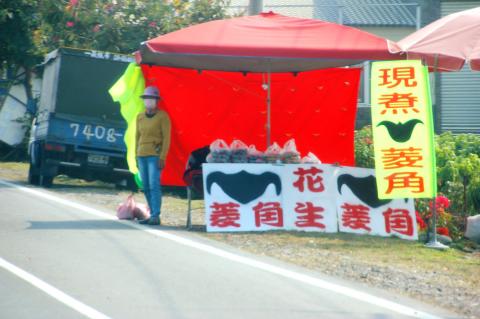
(60, 259)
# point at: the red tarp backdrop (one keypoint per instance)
(317, 108)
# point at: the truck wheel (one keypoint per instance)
(46, 181)
(33, 170)
(33, 179)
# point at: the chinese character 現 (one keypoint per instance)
(394, 77)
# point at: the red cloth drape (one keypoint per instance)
(317, 108)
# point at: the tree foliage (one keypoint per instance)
(31, 28)
(18, 21)
(118, 25)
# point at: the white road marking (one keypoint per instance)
(339, 289)
(82, 308)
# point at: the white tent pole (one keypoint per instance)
(434, 243)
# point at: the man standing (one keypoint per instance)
(152, 144)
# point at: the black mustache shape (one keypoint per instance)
(365, 188)
(244, 187)
(400, 132)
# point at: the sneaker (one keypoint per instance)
(150, 221)
(154, 221)
(144, 221)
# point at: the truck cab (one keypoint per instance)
(78, 130)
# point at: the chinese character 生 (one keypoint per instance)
(309, 215)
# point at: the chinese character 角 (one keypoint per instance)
(399, 221)
(268, 214)
(405, 180)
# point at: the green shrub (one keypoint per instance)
(458, 173)
(364, 148)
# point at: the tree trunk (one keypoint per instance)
(27, 83)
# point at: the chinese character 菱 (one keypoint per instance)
(401, 157)
(356, 217)
(224, 215)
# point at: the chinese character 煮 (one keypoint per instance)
(396, 101)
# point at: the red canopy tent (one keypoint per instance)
(267, 42)
(205, 102)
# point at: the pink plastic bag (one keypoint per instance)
(311, 159)
(290, 155)
(125, 210)
(273, 154)
(219, 152)
(239, 151)
(141, 211)
(255, 156)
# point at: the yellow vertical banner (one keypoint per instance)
(402, 123)
(127, 91)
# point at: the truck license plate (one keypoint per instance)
(97, 159)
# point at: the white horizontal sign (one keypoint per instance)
(323, 198)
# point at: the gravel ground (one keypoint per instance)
(447, 279)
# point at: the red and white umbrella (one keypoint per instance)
(448, 43)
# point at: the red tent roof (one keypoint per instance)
(266, 42)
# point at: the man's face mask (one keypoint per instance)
(150, 103)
